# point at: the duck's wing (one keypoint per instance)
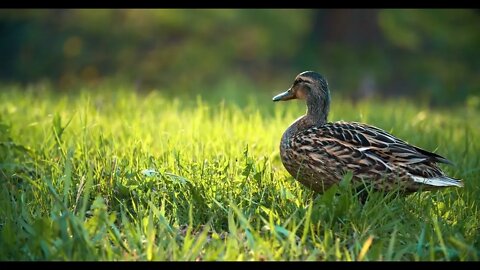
(370, 151)
(329, 147)
(366, 137)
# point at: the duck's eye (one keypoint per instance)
(297, 81)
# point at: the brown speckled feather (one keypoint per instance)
(325, 153)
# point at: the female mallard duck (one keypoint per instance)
(318, 154)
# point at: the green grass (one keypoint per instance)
(72, 186)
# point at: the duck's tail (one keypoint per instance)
(440, 181)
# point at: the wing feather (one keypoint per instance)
(365, 137)
(367, 149)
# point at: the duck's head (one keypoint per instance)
(312, 87)
(307, 85)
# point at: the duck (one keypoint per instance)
(318, 153)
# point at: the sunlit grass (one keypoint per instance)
(73, 185)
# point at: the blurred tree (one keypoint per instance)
(431, 54)
(435, 51)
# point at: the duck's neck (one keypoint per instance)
(317, 110)
(317, 113)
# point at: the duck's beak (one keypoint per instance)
(287, 95)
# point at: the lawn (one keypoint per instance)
(113, 174)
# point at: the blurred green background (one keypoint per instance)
(426, 55)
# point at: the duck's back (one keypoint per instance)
(319, 155)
